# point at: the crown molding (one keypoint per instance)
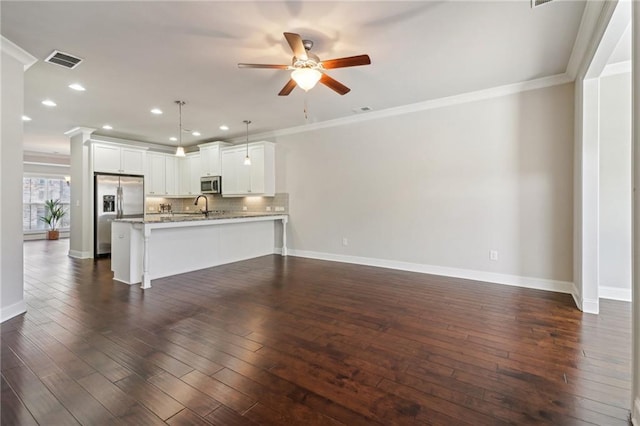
(87, 131)
(588, 23)
(15, 51)
(617, 68)
(479, 95)
(591, 58)
(169, 149)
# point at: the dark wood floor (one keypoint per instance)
(296, 341)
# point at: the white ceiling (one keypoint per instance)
(139, 55)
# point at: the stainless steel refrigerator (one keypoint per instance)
(116, 196)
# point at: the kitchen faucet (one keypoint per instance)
(206, 204)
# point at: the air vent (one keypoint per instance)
(536, 3)
(63, 59)
(362, 109)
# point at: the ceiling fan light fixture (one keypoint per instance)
(306, 78)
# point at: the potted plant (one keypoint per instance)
(54, 212)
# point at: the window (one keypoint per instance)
(35, 191)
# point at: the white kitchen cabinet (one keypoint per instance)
(171, 174)
(210, 158)
(154, 177)
(239, 180)
(162, 174)
(190, 169)
(118, 159)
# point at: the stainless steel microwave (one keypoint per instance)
(211, 184)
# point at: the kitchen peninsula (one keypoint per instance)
(157, 246)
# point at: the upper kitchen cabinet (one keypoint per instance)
(259, 178)
(190, 172)
(118, 159)
(162, 174)
(210, 158)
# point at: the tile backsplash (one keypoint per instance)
(217, 202)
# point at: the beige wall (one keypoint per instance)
(441, 187)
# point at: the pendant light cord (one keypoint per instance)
(180, 103)
(247, 160)
(247, 122)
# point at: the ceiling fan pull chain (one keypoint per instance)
(306, 107)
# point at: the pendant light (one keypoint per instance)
(180, 149)
(247, 160)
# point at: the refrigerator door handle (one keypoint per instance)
(119, 203)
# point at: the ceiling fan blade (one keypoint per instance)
(351, 61)
(287, 88)
(334, 84)
(295, 42)
(279, 67)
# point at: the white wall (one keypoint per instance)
(615, 187)
(14, 60)
(441, 188)
(81, 217)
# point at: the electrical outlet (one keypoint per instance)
(268, 208)
(345, 241)
(279, 209)
(493, 254)
(244, 208)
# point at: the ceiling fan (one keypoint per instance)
(307, 69)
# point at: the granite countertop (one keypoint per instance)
(196, 216)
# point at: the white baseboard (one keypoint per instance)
(635, 413)
(615, 293)
(577, 299)
(492, 277)
(11, 311)
(80, 254)
(124, 281)
(591, 306)
(42, 235)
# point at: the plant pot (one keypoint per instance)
(53, 235)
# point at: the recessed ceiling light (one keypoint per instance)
(26, 118)
(224, 127)
(195, 133)
(49, 103)
(173, 139)
(107, 127)
(77, 86)
(156, 111)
